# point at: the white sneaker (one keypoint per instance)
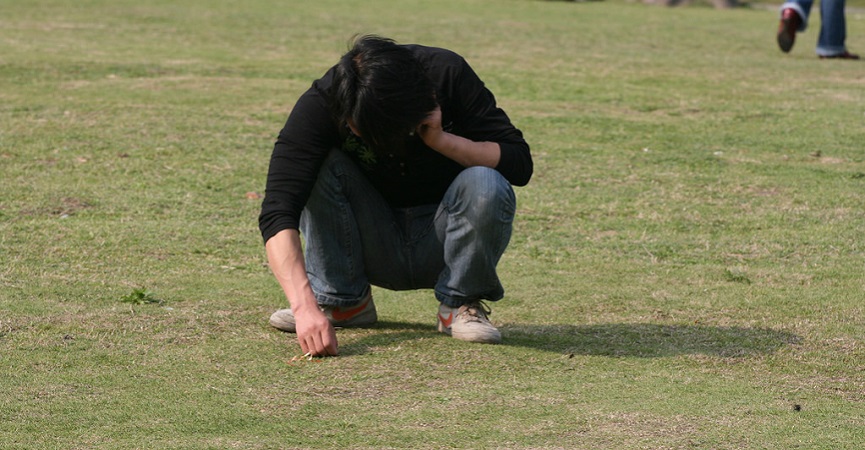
(361, 315)
(469, 322)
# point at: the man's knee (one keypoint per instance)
(485, 190)
(337, 162)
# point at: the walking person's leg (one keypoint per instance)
(833, 31)
(794, 19)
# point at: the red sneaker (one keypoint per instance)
(790, 22)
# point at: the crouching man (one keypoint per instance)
(396, 166)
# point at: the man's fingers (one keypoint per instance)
(317, 345)
(303, 347)
(315, 334)
(329, 343)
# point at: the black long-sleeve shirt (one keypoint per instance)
(419, 175)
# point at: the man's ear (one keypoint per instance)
(353, 128)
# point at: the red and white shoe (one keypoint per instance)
(361, 315)
(469, 322)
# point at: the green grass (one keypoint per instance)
(686, 268)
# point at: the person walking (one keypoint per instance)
(833, 30)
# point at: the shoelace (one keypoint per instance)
(475, 311)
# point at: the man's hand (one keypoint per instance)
(430, 129)
(315, 334)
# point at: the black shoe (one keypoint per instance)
(790, 22)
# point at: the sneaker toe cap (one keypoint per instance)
(486, 336)
(283, 319)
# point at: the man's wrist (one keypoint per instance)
(304, 304)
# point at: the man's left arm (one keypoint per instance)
(478, 133)
(465, 151)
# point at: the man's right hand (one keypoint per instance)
(315, 334)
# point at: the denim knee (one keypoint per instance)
(475, 223)
(337, 163)
(479, 190)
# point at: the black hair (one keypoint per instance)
(382, 89)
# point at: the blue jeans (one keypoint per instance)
(833, 30)
(353, 238)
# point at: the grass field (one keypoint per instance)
(686, 270)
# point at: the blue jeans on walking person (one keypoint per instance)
(354, 239)
(833, 30)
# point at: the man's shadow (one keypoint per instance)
(646, 340)
(643, 340)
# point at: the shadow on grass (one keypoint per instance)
(614, 340)
(387, 333)
(649, 340)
